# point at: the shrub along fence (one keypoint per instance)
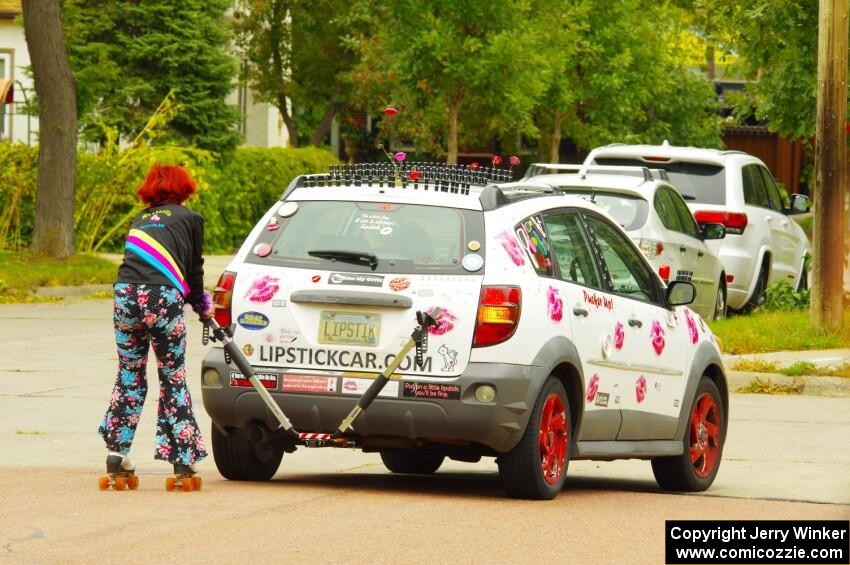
(233, 191)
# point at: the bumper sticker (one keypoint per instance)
(268, 380)
(431, 390)
(359, 386)
(309, 383)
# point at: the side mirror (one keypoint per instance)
(711, 230)
(799, 204)
(680, 293)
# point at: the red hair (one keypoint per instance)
(166, 183)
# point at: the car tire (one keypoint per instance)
(696, 468)
(758, 297)
(536, 467)
(239, 459)
(804, 280)
(720, 305)
(411, 461)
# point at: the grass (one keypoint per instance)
(766, 386)
(755, 366)
(801, 368)
(22, 272)
(29, 433)
(763, 332)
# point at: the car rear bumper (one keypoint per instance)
(498, 424)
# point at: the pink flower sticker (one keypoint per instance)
(445, 322)
(657, 335)
(555, 306)
(263, 289)
(510, 244)
(592, 388)
(619, 336)
(692, 326)
(640, 388)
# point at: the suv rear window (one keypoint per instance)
(627, 210)
(406, 238)
(696, 182)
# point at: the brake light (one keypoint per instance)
(651, 247)
(664, 272)
(498, 314)
(730, 279)
(223, 298)
(735, 223)
(657, 159)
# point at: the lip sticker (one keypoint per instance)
(272, 225)
(692, 326)
(592, 388)
(511, 246)
(316, 278)
(472, 262)
(262, 249)
(262, 289)
(619, 336)
(399, 283)
(640, 388)
(555, 306)
(657, 335)
(287, 209)
(445, 322)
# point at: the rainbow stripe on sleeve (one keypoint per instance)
(157, 257)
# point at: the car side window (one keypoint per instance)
(666, 212)
(571, 250)
(689, 225)
(754, 192)
(628, 272)
(773, 196)
(532, 234)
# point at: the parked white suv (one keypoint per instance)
(538, 357)
(762, 245)
(656, 217)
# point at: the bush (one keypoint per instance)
(781, 296)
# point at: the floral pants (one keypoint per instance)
(152, 315)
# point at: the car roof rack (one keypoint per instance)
(417, 175)
(494, 196)
(538, 169)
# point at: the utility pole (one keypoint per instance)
(829, 250)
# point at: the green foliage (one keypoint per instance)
(24, 272)
(127, 55)
(757, 385)
(781, 296)
(764, 331)
(799, 369)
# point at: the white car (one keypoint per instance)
(538, 356)
(763, 244)
(656, 217)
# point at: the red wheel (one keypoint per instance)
(119, 483)
(197, 483)
(132, 482)
(553, 438)
(186, 484)
(705, 434)
(103, 483)
(170, 483)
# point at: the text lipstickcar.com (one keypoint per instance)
(757, 541)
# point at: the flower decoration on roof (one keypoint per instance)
(474, 166)
(414, 175)
(400, 156)
(390, 111)
(497, 160)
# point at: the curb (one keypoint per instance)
(812, 386)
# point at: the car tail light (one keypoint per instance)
(657, 159)
(735, 223)
(223, 298)
(730, 279)
(664, 272)
(651, 247)
(498, 314)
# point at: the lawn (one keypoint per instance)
(22, 272)
(762, 332)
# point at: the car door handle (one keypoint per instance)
(784, 223)
(635, 323)
(700, 254)
(683, 249)
(578, 311)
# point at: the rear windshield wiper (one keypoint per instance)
(688, 196)
(356, 257)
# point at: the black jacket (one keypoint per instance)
(164, 247)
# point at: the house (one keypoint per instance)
(260, 124)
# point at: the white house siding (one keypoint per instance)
(14, 57)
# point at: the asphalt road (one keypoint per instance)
(786, 457)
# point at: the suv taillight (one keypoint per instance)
(735, 223)
(223, 298)
(498, 314)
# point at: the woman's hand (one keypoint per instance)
(204, 308)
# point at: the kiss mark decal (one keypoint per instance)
(619, 336)
(592, 388)
(657, 335)
(692, 326)
(511, 246)
(262, 289)
(640, 388)
(555, 306)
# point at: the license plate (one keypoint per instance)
(349, 328)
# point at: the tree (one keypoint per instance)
(456, 68)
(57, 154)
(295, 59)
(128, 55)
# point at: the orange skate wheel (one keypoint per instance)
(103, 483)
(119, 483)
(170, 483)
(197, 482)
(132, 482)
(186, 484)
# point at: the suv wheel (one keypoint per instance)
(536, 467)
(240, 459)
(695, 469)
(411, 461)
(804, 280)
(757, 299)
(720, 302)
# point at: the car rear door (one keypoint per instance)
(698, 257)
(788, 241)
(678, 251)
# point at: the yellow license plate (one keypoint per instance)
(349, 328)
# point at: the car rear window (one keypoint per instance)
(696, 182)
(405, 238)
(630, 211)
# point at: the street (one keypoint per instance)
(785, 457)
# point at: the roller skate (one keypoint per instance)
(185, 478)
(120, 473)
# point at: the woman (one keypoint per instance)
(163, 270)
